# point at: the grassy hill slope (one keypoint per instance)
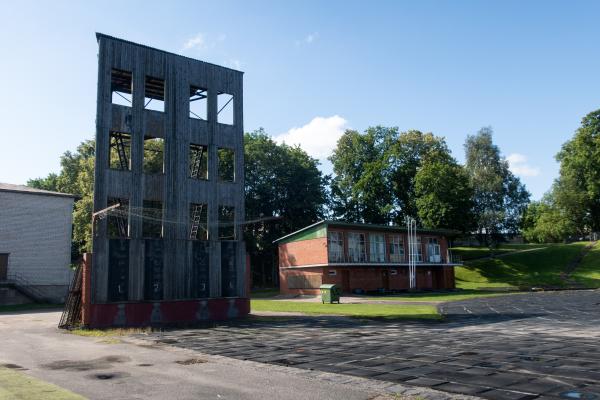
(542, 267)
(588, 272)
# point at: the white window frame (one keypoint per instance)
(396, 248)
(357, 249)
(335, 246)
(377, 247)
(434, 252)
(419, 250)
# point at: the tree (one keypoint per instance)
(406, 155)
(285, 191)
(444, 196)
(361, 190)
(499, 197)
(76, 177)
(544, 221)
(578, 187)
(375, 173)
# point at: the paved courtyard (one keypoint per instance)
(525, 346)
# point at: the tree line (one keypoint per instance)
(382, 176)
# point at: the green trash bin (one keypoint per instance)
(330, 293)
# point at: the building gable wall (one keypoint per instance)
(36, 231)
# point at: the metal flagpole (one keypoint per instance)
(411, 225)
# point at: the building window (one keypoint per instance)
(226, 223)
(433, 251)
(332, 272)
(198, 221)
(335, 245)
(377, 247)
(154, 150)
(118, 218)
(419, 250)
(225, 108)
(152, 220)
(198, 103)
(396, 248)
(198, 161)
(226, 165)
(119, 156)
(155, 94)
(121, 87)
(357, 251)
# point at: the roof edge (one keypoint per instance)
(358, 225)
(100, 35)
(22, 189)
(300, 230)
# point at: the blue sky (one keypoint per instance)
(312, 69)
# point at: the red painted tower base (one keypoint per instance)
(156, 313)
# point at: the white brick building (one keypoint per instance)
(35, 243)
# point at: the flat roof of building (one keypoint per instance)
(362, 226)
(9, 187)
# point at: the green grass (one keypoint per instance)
(107, 332)
(391, 311)
(16, 385)
(536, 268)
(442, 296)
(30, 307)
(472, 253)
(588, 272)
(264, 293)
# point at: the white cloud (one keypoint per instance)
(318, 138)
(201, 41)
(519, 166)
(308, 39)
(198, 41)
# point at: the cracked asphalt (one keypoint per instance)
(525, 346)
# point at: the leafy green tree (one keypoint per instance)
(375, 173)
(285, 191)
(499, 197)
(360, 190)
(444, 196)
(578, 188)
(545, 222)
(76, 177)
(48, 183)
(406, 155)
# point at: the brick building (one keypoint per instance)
(362, 256)
(35, 244)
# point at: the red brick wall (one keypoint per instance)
(303, 252)
(86, 298)
(285, 273)
(370, 279)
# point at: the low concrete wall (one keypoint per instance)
(10, 296)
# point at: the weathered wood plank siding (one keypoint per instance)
(173, 188)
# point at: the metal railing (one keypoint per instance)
(370, 258)
(24, 286)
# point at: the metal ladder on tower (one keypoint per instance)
(198, 208)
(197, 163)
